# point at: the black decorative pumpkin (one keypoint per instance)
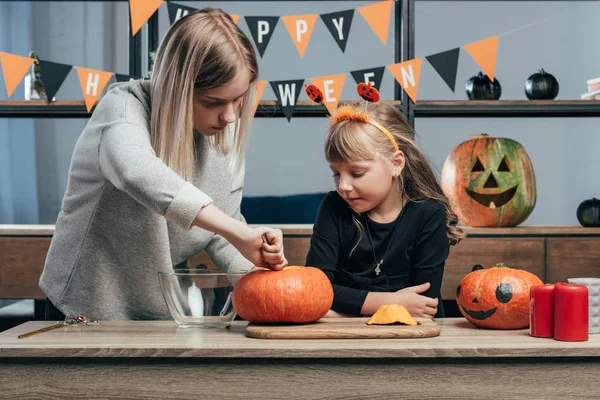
(480, 87)
(541, 86)
(588, 213)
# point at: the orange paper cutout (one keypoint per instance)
(484, 53)
(14, 69)
(300, 28)
(140, 11)
(235, 18)
(378, 17)
(407, 74)
(331, 86)
(92, 84)
(259, 92)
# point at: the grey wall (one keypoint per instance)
(286, 157)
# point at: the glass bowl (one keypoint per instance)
(199, 298)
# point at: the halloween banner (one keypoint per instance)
(299, 27)
(53, 75)
(446, 65)
(92, 84)
(331, 87)
(14, 69)
(373, 75)
(261, 29)
(338, 24)
(287, 93)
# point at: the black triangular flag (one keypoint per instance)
(287, 93)
(374, 75)
(339, 24)
(446, 64)
(177, 11)
(53, 75)
(262, 29)
(124, 78)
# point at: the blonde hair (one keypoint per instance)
(350, 139)
(205, 50)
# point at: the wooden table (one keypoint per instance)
(156, 359)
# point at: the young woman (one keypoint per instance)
(157, 175)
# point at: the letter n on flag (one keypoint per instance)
(331, 86)
(407, 74)
(92, 83)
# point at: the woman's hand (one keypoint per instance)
(266, 255)
(416, 304)
(247, 240)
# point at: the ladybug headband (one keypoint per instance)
(347, 113)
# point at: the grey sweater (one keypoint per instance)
(126, 216)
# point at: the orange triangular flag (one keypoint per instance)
(378, 17)
(14, 69)
(259, 92)
(235, 18)
(92, 84)
(300, 28)
(140, 11)
(484, 53)
(331, 86)
(407, 74)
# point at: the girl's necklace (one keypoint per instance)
(378, 264)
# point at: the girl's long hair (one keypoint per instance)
(349, 141)
(205, 50)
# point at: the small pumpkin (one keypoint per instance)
(497, 297)
(490, 182)
(541, 86)
(295, 294)
(367, 92)
(588, 213)
(314, 93)
(480, 87)
(391, 314)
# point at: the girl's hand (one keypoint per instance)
(416, 304)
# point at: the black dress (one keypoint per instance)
(417, 251)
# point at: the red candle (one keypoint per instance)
(570, 312)
(541, 311)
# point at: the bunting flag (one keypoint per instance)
(92, 84)
(287, 93)
(14, 69)
(259, 92)
(484, 53)
(331, 86)
(407, 74)
(261, 29)
(124, 78)
(177, 11)
(339, 24)
(378, 17)
(300, 28)
(53, 75)
(446, 65)
(373, 75)
(140, 11)
(235, 18)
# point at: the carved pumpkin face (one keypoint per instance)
(497, 297)
(490, 182)
(368, 92)
(314, 93)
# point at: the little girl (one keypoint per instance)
(383, 237)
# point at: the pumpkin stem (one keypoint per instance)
(479, 136)
(542, 71)
(500, 265)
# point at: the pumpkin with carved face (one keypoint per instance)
(497, 297)
(490, 182)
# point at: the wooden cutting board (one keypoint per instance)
(343, 328)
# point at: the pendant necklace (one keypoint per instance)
(378, 264)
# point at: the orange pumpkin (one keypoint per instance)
(294, 294)
(314, 93)
(497, 297)
(490, 182)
